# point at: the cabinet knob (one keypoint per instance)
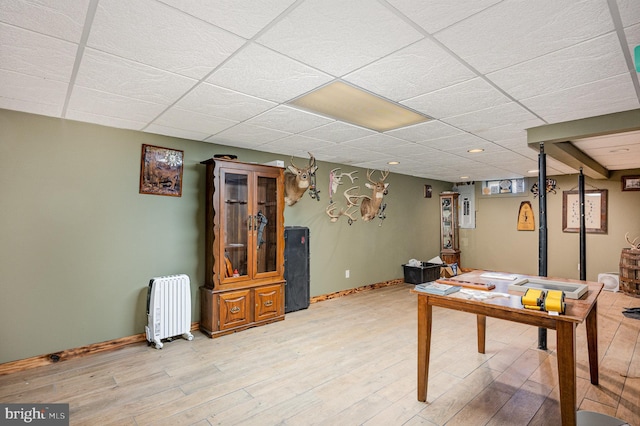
(234, 310)
(268, 303)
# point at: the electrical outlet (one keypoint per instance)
(346, 273)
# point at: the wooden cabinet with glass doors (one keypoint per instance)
(449, 241)
(244, 253)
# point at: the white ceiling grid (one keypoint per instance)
(222, 71)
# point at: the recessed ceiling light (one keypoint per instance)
(344, 102)
(464, 177)
(475, 150)
(532, 171)
(393, 163)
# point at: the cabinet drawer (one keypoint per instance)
(235, 309)
(269, 302)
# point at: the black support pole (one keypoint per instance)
(542, 232)
(583, 230)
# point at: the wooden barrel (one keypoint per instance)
(630, 272)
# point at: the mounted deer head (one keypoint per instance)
(297, 180)
(369, 206)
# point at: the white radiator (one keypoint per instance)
(168, 308)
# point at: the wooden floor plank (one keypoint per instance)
(347, 360)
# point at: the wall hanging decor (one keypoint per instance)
(526, 220)
(595, 211)
(298, 179)
(161, 171)
(631, 183)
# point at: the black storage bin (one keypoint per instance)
(421, 274)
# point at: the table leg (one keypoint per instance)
(482, 329)
(566, 344)
(424, 345)
(592, 342)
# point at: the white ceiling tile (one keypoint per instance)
(420, 68)
(606, 142)
(297, 145)
(514, 31)
(138, 31)
(629, 12)
(338, 132)
(111, 105)
(615, 152)
(632, 35)
(26, 88)
(288, 119)
(582, 63)
(220, 102)
(471, 95)
(117, 122)
(32, 107)
(246, 136)
(586, 100)
(438, 14)
(511, 113)
(148, 60)
(456, 143)
(553, 164)
(263, 73)
(375, 166)
(425, 131)
(500, 157)
(188, 120)
(178, 133)
(508, 131)
(35, 54)
(519, 145)
(378, 143)
(242, 17)
(333, 35)
(61, 19)
(343, 154)
(108, 73)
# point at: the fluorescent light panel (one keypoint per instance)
(344, 102)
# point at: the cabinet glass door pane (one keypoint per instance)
(236, 226)
(267, 228)
(447, 222)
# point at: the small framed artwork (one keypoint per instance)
(161, 171)
(427, 191)
(631, 183)
(595, 211)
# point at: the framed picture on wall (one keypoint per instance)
(631, 183)
(595, 211)
(161, 171)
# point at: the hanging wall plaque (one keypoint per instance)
(526, 220)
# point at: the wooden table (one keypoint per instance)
(510, 309)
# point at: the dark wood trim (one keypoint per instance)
(67, 354)
(355, 290)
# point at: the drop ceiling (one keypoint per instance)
(224, 71)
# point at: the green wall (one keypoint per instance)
(497, 244)
(78, 243)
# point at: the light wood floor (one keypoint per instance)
(345, 361)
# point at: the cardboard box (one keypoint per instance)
(448, 271)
